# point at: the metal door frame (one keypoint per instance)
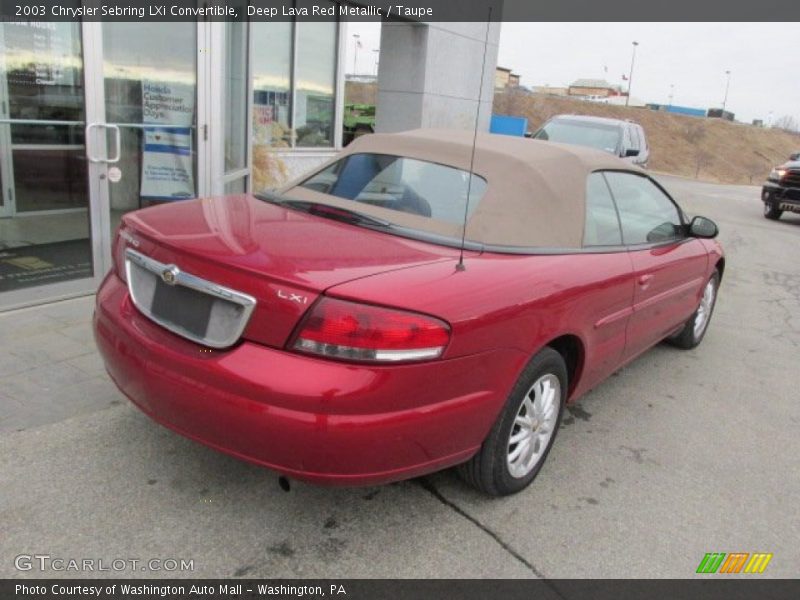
(93, 87)
(98, 206)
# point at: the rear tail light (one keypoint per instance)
(361, 332)
(118, 254)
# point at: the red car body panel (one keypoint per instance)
(306, 417)
(262, 249)
(333, 422)
(668, 281)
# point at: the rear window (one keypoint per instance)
(594, 135)
(403, 184)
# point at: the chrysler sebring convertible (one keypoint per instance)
(419, 302)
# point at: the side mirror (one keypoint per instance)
(631, 152)
(700, 227)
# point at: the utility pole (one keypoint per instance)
(356, 43)
(727, 85)
(630, 77)
(671, 93)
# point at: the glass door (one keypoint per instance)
(47, 246)
(149, 74)
(98, 119)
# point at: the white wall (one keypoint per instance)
(430, 75)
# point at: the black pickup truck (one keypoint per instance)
(781, 191)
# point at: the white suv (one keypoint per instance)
(625, 139)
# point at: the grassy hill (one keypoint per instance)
(708, 149)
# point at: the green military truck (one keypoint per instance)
(359, 119)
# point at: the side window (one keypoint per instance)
(647, 215)
(635, 137)
(627, 142)
(602, 224)
(403, 184)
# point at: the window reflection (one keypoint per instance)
(235, 100)
(150, 73)
(137, 52)
(272, 57)
(315, 83)
(44, 221)
(294, 86)
(44, 77)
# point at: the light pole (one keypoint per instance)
(671, 93)
(727, 85)
(356, 44)
(375, 51)
(630, 77)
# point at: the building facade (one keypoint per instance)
(505, 78)
(97, 119)
(101, 118)
(594, 87)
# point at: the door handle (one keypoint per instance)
(117, 143)
(88, 144)
(644, 280)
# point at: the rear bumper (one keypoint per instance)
(307, 418)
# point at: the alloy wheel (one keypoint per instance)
(704, 310)
(533, 426)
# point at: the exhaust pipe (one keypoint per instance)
(284, 484)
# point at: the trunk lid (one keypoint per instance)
(283, 258)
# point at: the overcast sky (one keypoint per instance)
(762, 57)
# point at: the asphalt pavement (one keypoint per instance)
(679, 454)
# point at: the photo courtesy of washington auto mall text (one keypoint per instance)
(456, 299)
(176, 590)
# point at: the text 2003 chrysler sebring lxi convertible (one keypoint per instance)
(331, 333)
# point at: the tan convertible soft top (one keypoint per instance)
(536, 190)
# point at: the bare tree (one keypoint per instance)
(755, 168)
(787, 123)
(758, 165)
(511, 101)
(702, 159)
(694, 134)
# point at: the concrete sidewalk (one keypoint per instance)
(49, 367)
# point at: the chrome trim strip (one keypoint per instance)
(247, 302)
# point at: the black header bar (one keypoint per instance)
(411, 10)
(703, 588)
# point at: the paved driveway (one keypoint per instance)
(679, 454)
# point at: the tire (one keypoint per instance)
(771, 211)
(693, 332)
(542, 384)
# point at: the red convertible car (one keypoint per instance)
(417, 303)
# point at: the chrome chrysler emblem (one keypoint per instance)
(170, 275)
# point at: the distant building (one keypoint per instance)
(718, 113)
(680, 110)
(758, 122)
(505, 78)
(550, 90)
(594, 87)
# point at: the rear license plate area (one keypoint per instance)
(183, 307)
